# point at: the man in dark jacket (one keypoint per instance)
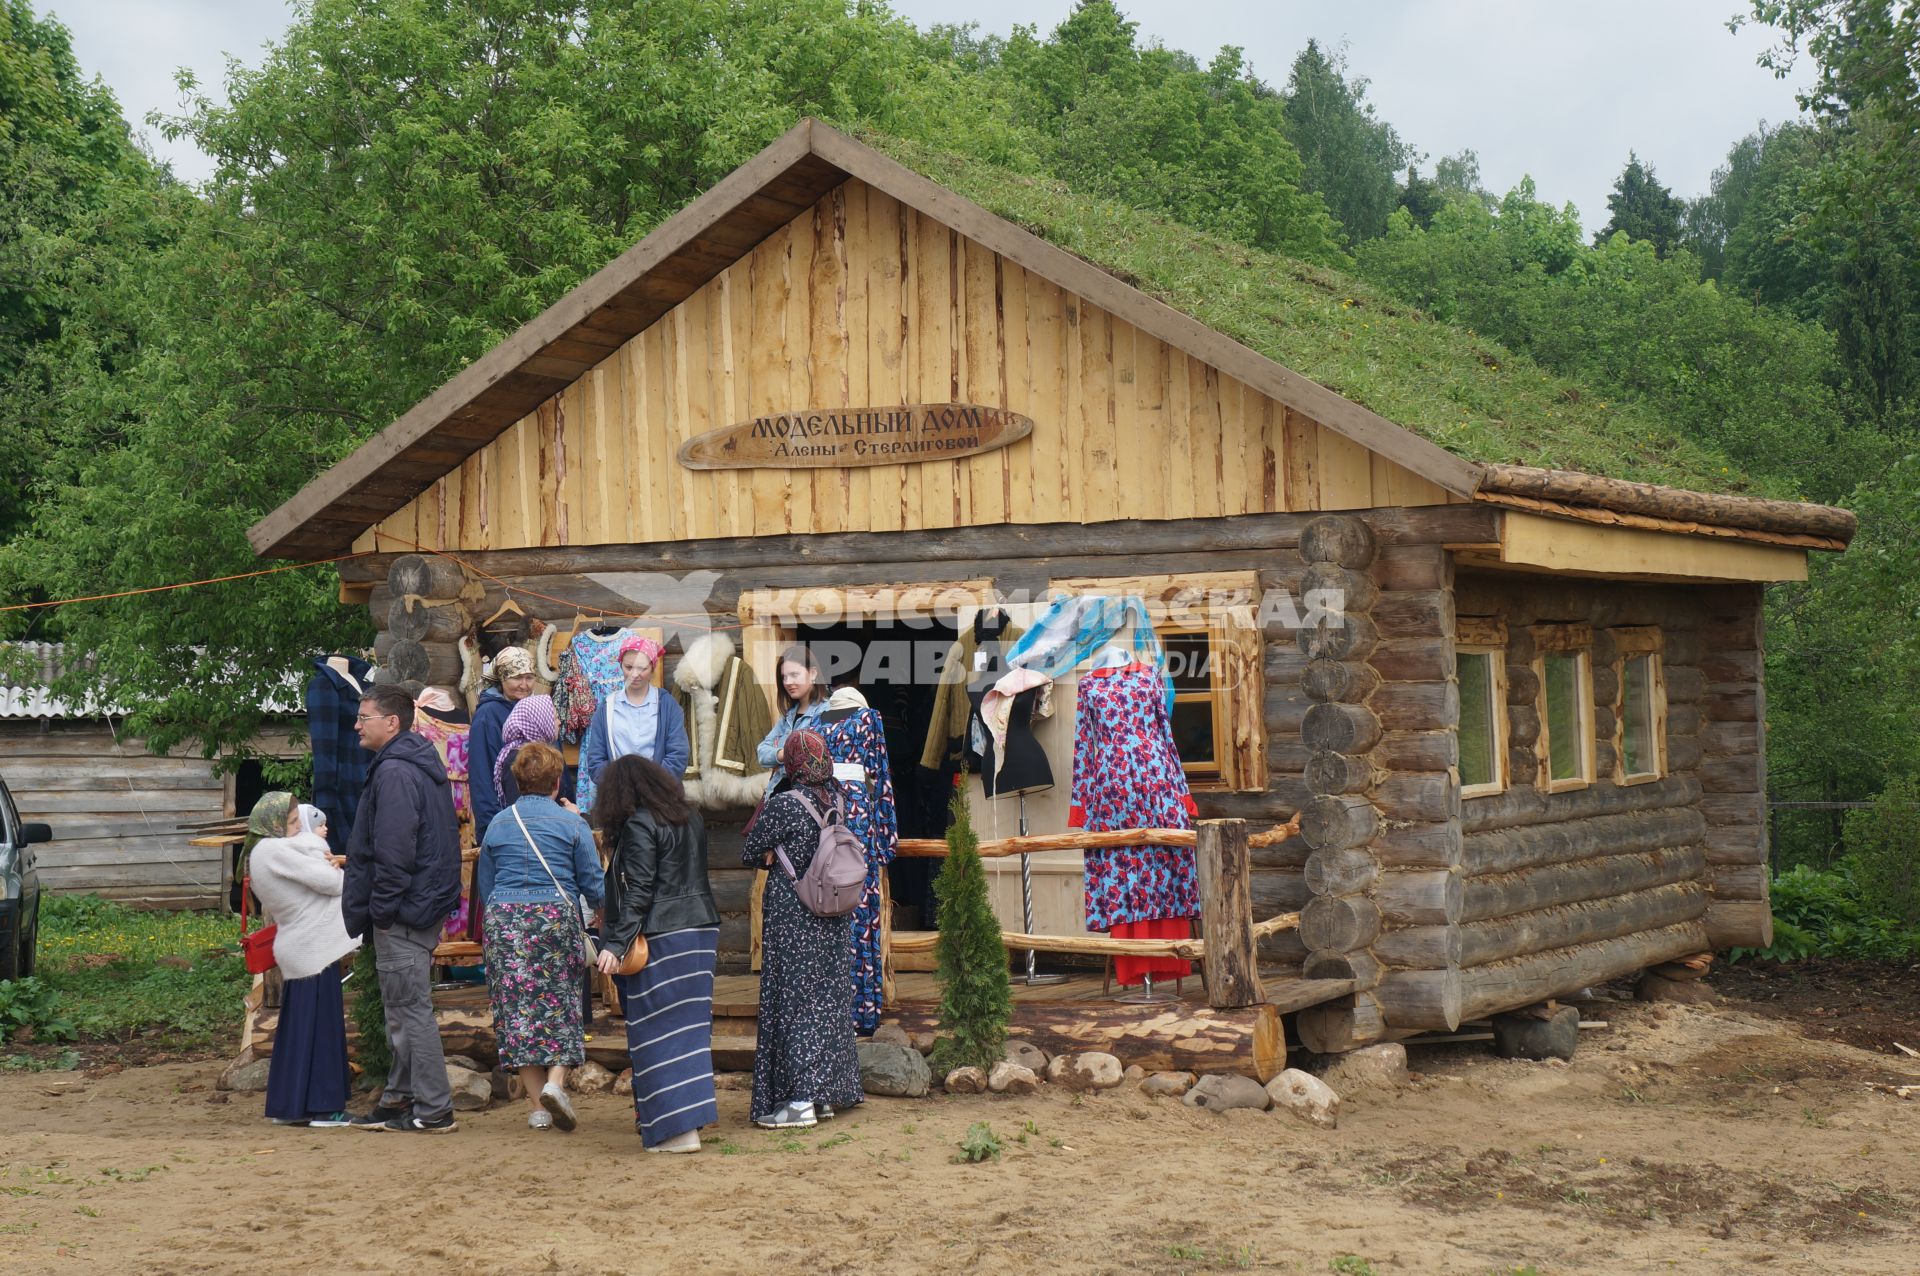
(402, 883)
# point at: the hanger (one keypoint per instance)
(507, 608)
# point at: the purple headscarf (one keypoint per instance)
(532, 720)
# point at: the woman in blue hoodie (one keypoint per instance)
(513, 670)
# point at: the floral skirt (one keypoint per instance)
(534, 973)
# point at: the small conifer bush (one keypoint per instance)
(976, 994)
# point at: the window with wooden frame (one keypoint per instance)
(1639, 705)
(1563, 663)
(1205, 623)
(1480, 662)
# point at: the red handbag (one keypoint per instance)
(257, 948)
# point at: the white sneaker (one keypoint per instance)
(688, 1142)
(791, 1116)
(539, 1121)
(555, 1100)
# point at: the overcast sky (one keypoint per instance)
(1559, 90)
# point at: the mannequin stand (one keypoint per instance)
(1034, 980)
(1150, 994)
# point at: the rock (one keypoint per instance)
(1169, 1085)
(965, 1081)
(892, 1034)
(1028, 1056)
(896, 1072)
(1654, 987)
(472, 1091)
(1012, 1078)
(246, 1074)
(506, 1085)
(923, 1042)
(1134, 1074)
(1221, 1092)
(589, 1078)
(623, 1084)
(1091, 1070)
(1382, 1067)
(464, 1061)
(1305, 1096)
(1529, 1037)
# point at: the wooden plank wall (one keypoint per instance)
(114, 807)
(865, 302)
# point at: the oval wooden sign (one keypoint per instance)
(821, 438)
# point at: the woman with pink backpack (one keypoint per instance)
(804, 1065)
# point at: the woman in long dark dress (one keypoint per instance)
(804, 1065)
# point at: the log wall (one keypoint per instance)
(1544, 893)
(1407, 560)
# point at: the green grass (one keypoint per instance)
(1467, 394)
(103, 962)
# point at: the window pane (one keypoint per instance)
(1188, 661)
(1563, 714)
(1636, 736)
(1477, 733)
(1193, 730)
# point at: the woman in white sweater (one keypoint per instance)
(299, 884)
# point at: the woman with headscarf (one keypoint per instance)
(512, 676)
(804, 1065)
(299, 882)
(641, 720)
(533, 720)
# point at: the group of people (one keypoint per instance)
(542, 891)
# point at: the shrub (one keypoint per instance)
(1883, 851)
(976, 994)
(30, 1005)
(1822, 914)
(370, 1014)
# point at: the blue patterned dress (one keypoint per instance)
(861, 739)
(1126, 775)
(595, 662)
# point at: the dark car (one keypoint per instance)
(19, 888)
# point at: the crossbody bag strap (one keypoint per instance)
(515, 808)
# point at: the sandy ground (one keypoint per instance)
(1681, 1139)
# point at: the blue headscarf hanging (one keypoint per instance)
(1078, 625)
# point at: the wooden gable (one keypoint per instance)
(862, 301)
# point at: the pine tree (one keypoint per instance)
(976, 994)
(1643, 208)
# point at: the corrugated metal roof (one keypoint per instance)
(24, 693)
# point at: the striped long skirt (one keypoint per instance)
(670, 1034)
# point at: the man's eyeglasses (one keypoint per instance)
(369, 717)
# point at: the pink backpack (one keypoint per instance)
(837, 876)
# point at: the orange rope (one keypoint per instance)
(187, 584)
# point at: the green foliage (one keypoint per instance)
(1352, 157)
(1883, 852)
(976, 992)
(979, 1144)
(118, 970)
(369, 1013)
(31, 1003)
(1822, 914)
(1642, 209)
(1351, 1265)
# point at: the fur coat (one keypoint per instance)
(727, 717)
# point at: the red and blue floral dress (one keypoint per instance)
(1127, 774)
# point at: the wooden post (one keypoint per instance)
(1231, 964)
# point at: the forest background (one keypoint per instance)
(398, 186)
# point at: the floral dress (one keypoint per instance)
(805, 1049)
(860, 739)
(1127, 774)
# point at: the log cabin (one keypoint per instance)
(1510, 744)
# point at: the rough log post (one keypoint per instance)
(1732, 775)
(1230, 964)
(426, 576)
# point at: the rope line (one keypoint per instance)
(186, 584)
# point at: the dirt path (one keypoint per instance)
(1680, 1140)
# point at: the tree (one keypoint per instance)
(1351, 156)
(976, 993)
(1642, 209)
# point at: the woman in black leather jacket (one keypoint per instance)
(657, 888)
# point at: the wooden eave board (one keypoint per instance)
(1534, 542)
(690, 249)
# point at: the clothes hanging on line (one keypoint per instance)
(952, 708)
(1077, 626)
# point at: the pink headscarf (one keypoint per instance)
(651, 648)
(532, 719)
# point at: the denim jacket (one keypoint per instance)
(794, 719)
(509, 872)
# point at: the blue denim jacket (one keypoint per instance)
(509, 872)
(792, 720)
